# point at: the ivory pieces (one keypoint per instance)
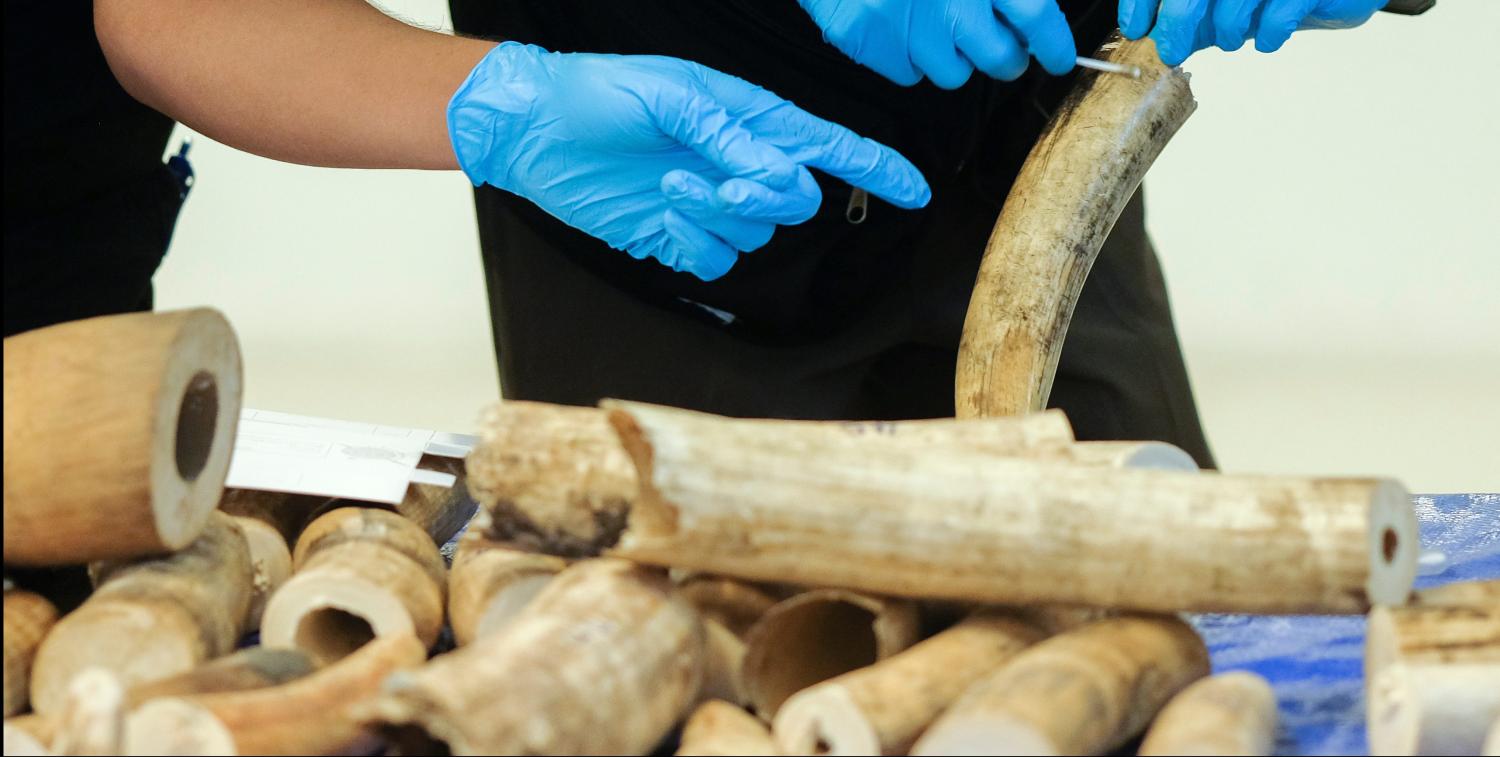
(359, 573)
(720, 729)
(1432, 671)
(490, 583)
(765, 501)
(28, 618)
(1084, 691)
(1227, 714)
(153, 618)
(117, 434)
(604, 661)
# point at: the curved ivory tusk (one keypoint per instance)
(1085, 691)
(360, 573)
(817, 635)
(720, 729)
(768, 502)
(315, 714)
(881, 709)
(150, 619)
(28, 618)
(1432, 671)
(604, 661)
(1067, 197)
(117, 434)
(1230, 714)
(490, 583)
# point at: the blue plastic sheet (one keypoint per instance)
(1315, 663)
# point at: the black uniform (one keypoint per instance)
(830, 320)
(89, 204)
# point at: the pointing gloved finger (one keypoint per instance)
(692, 249)
(699, 121)
(1278, 21)
(862, 162)
(1232, 19)
(693, 197)
(993, 48)
(933, 52)
(752, 201)
(1177, 29)
(1136, 17)
(1044, 27)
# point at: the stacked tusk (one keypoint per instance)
(28, 618)
(1084, 691)
(313, 714)
(881, 709)
(1432, 671)
(151, 619)
(490, 583)
(360, 573)
(604, 661)
(1231, 714)
(817, 635)
(157, 396)
(765, 501)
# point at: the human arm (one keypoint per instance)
(329, 83)
(658, 157)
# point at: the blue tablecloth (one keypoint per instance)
(1315, 663)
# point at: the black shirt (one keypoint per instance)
(89, 207)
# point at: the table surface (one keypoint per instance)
(1315, 663)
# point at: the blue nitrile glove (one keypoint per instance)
(945, 40)
(658, 157)
(1183, 27)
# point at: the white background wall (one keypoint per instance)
(1327, 223)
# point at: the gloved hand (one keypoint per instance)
(658, 157)
(1183, 27)
(945, 40)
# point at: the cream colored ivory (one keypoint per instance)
(720, 729)
(154, 618)
(360, 573)
(251, 668)
(555, 479)
(1085, 691)
(270, 563)
(20, 743)
(315, 714)
(1432, 671)
(723, 661)
(117, 434)
(28, 618)
(882, 708)
(762, 501)
(1227, 714)
(490, 583)
(817, 635)
(552, 477)
(604, 661)
(1083, 170)
(92, 716)
(735, 605)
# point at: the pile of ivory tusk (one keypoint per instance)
(642, 577)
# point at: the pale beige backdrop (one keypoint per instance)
(1327, 222)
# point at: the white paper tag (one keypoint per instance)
(331, 458)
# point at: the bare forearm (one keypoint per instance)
(330, 82)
